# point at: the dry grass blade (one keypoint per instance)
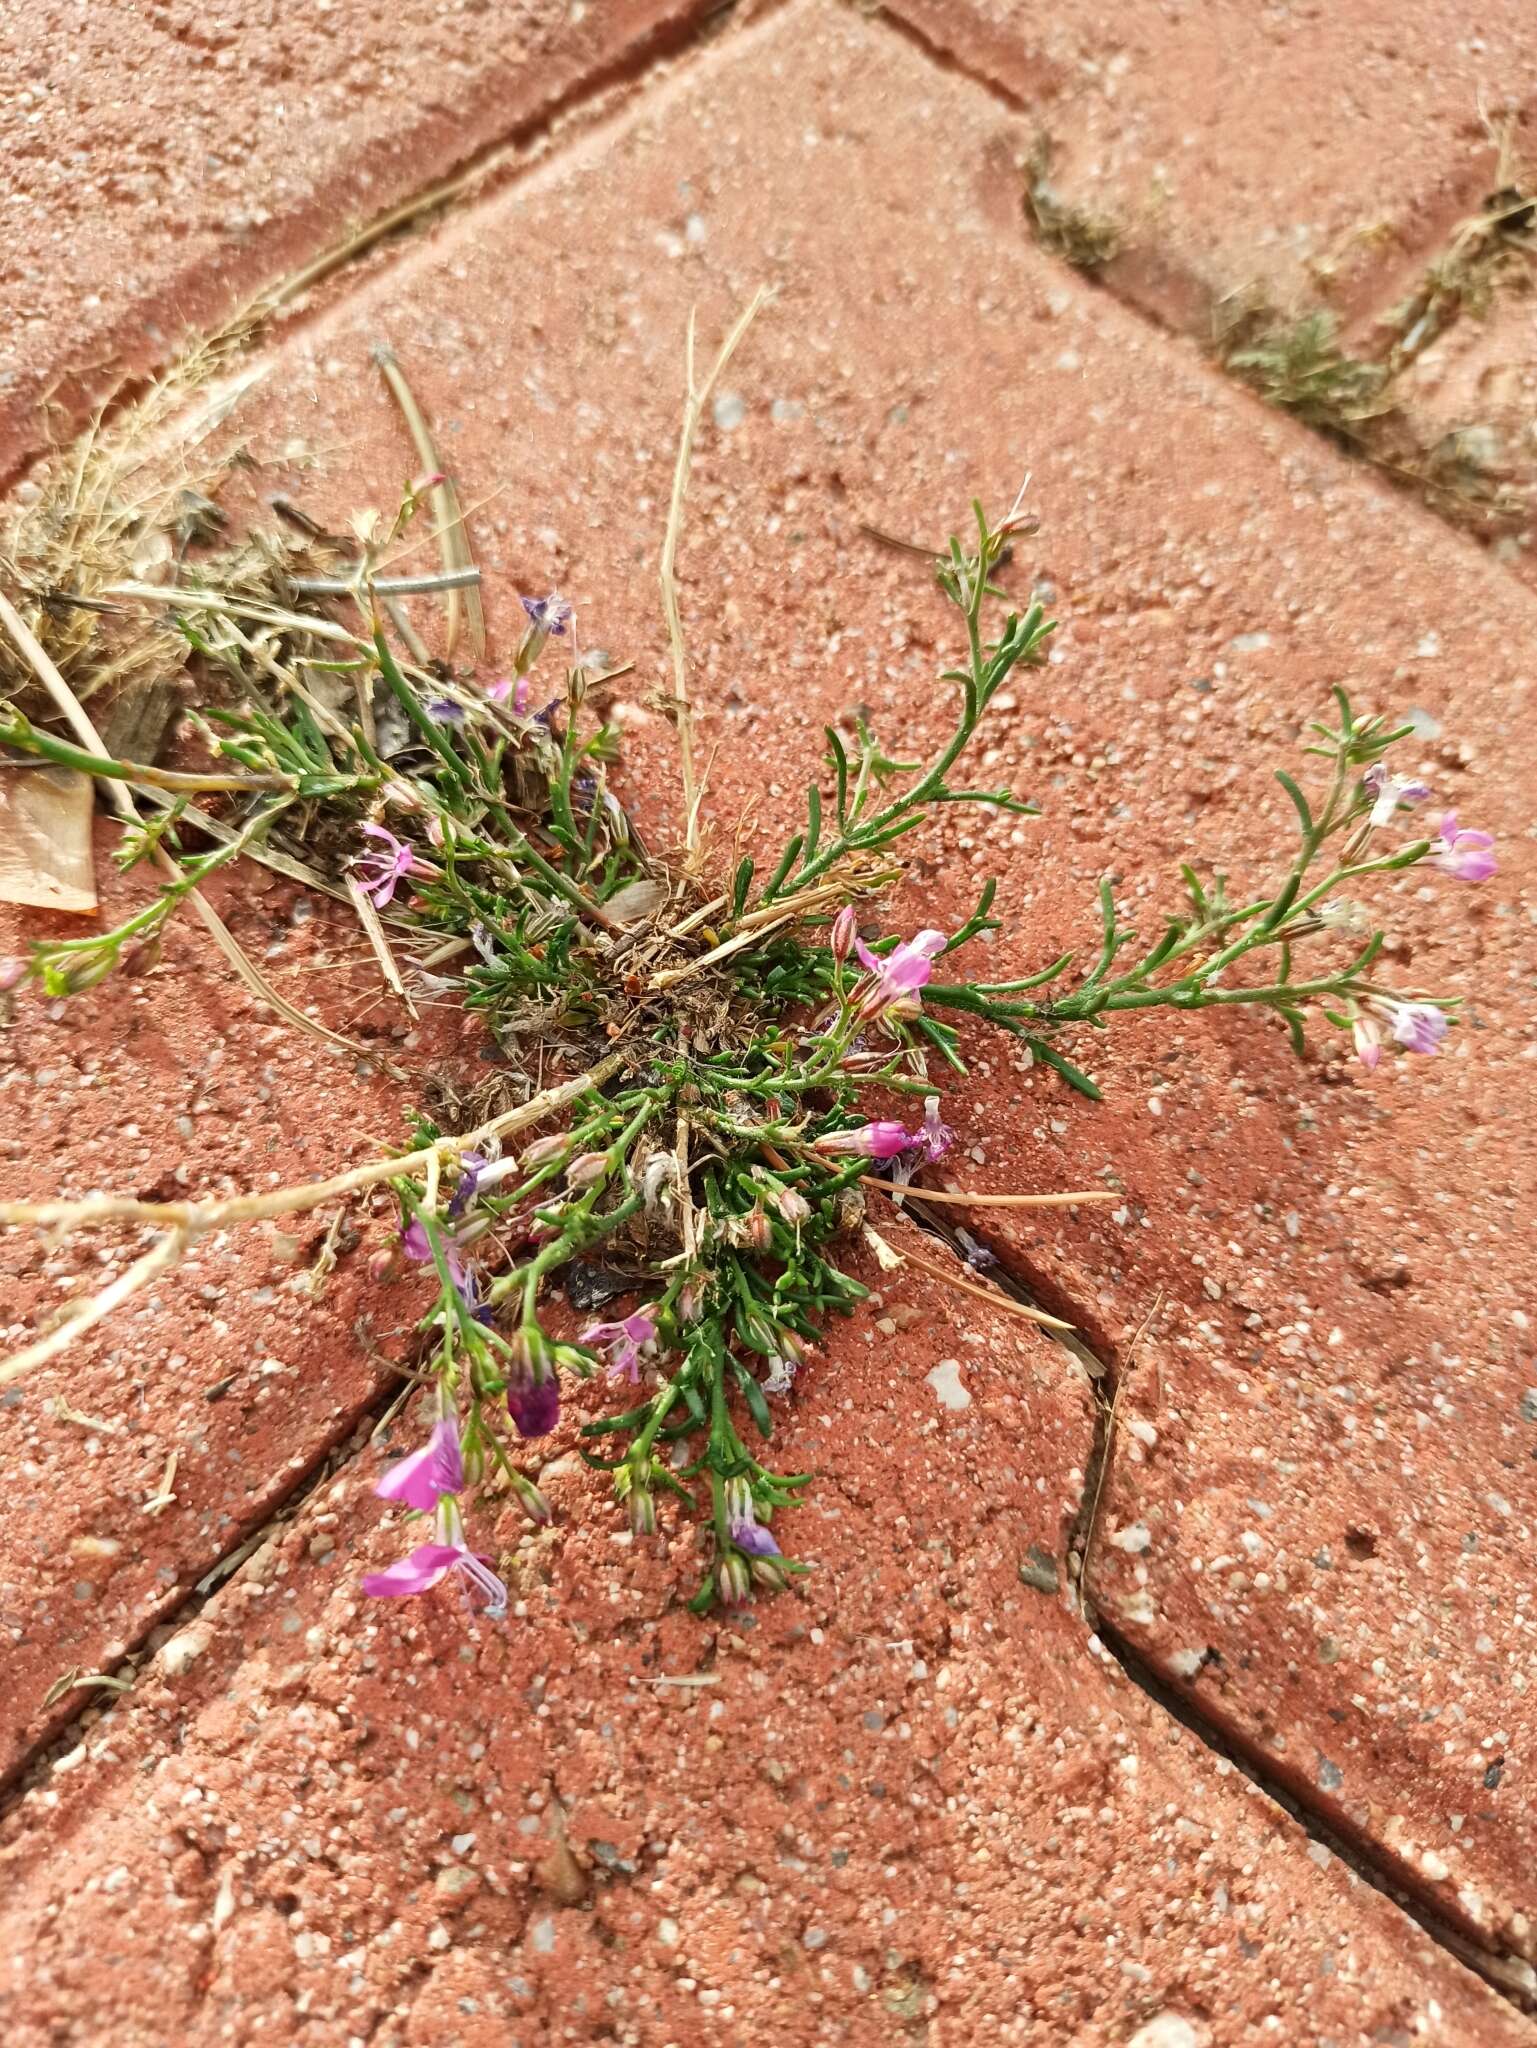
(453, 539)
(963, 1198)
(163, 1254)
(76, 718)
(368, 918)
(698, 398)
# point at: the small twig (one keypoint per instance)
(368, 918)
(188, 597)
(65, 1413)
(453, 539)
(698, 398)
(162, 1254)
(1091, 1520)
(163, 1496)
(687, 1223)
(1004, 1302)
(669, 975)
(965, 1199)
(385, 586)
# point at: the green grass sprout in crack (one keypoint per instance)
(712, 1071)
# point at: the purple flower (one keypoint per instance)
(429, 1563)
(882, 1140)
(1418, 1026)
(446, 711)
(548, 614)
(932, 1136)
(625, 1341)
(975, 1254)
(748, 1534)
(534, 1404)
(1467, 856)
(422, 1479)
(902, 972)
(379, 872)
(471, 1166)
(1391, 792)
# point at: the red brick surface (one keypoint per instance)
(908, 1805)
(162, 162)
(169, 1084)
(1215, 569)
(1297, 152)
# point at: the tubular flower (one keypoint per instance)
(1466, 856)
(546, 616)
(934, 1137)
(883, 1140)
(1391, 792)
(1368, 1042)
(379, 873)
(625, 1341)
(422, 1479)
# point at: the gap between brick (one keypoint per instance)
(597, 95)
(1361, 1854)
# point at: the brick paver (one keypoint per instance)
(166, 1084)
(162, 162)
(907, 1805)
(1296, 153)
(1215, 568)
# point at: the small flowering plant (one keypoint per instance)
(751, 1056)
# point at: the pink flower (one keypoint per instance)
(1420, 1027)
(427, 1564)
(1368, 1042)
(935, 1138)
(423, 1567)
(882, 1140)
(625, 1341)
(1391, 792)
(379, 872)
(422, 1479)
(518, 690)
(1467, 856)
(901, 973)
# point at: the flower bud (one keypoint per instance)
(757, 1230)
(793, 1207)
(587, 1168)
(13, 972)
(844, 927)
(733, 1581)
(769, 1573)
(384, 1264)
(532, 1501)
(543, 1150)
(643, 1512)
